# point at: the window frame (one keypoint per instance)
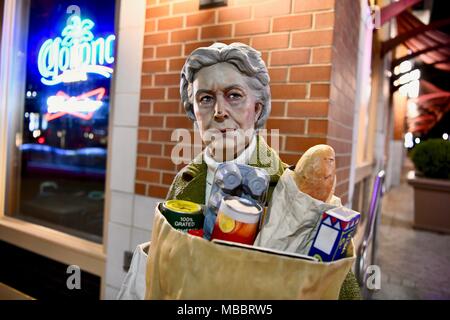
(89, 256)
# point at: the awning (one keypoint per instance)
(433, 44)
(392, 10)
(431, 106)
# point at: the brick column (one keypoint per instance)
(342, 89)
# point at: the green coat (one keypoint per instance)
(190, 184)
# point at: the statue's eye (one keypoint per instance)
(206, 99)
(235, 96)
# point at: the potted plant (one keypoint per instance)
(431, 183)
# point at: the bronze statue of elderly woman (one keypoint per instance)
(225, 91)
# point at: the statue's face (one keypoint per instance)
(223, 101)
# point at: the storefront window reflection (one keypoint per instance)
(63, 147)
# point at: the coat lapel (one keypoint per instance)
(190, 183)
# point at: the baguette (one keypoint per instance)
(315, 172)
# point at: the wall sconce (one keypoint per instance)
(206, 4)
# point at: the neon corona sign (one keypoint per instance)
(77, 53)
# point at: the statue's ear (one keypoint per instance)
(258, 110)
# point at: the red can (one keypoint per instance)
(237, 220)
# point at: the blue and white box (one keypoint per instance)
(336, 229)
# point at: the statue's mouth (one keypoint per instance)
(224, 131)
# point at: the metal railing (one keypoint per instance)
(367, 251)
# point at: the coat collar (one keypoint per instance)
(263, 157)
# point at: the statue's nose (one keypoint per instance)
(219, 110)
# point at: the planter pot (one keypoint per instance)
(431, 203)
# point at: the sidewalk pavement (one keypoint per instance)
(414, 264)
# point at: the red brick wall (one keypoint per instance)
(296, 41)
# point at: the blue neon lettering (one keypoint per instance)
(85, 52)
(45, 59)
(109, 48)
(64, 59)
(98, 50)
(59, 59)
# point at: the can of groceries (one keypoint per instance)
(183, 215)
(237, 220)
(228, 176)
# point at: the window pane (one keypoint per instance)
(63, 148)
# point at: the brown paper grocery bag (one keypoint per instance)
(182, 266)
